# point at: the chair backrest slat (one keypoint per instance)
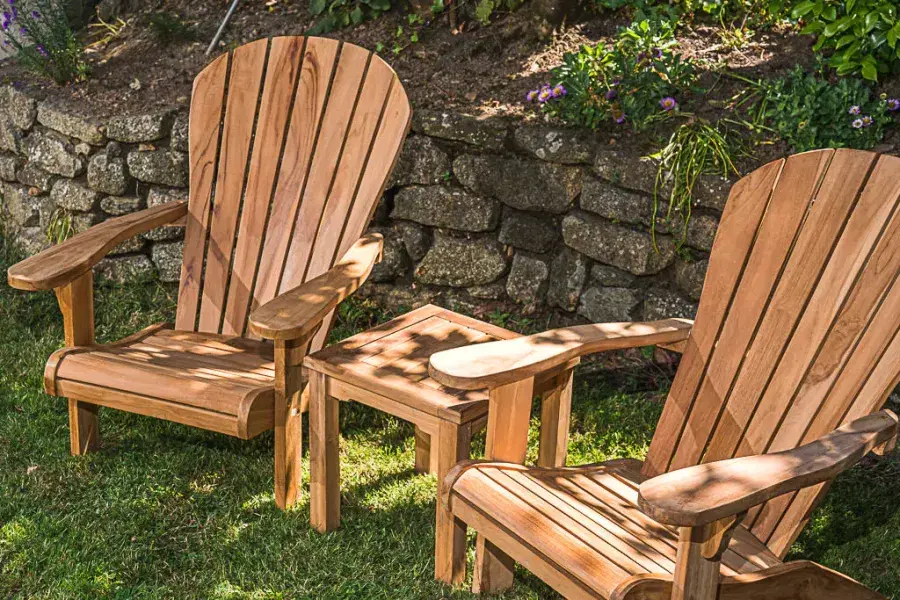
(781, 356)
(281, 136)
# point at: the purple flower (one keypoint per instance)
(857, 124)
(23, 31)
(531, 96)
(617, 81)
(35, 14)
(657, 53)
(668, 103)
(559, 90)
(545, 94)
(854, 110)
(867, 121)
(612, 94)
(620, 119)
(42, 51)
(893, 104)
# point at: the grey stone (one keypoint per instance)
(568, 146)
(394, 261)
(24, 209)
(10, 135)
(627, 170)
(53, 153)
(664, 304)
(689, 277)
(120, 205)
(167, 257)
(160, 195)
(617, 245)
(416, 238)
(32, 240)
(155, 197)
(74, 196)
(21, 108)
(567, 275)
(83, 221)
(179, 141)
(125, 268)
(711, 191)
(422, 162)
(86, 129)
(83, 148)
(114, 150)
(129, 246)
(527, 281)
(9, 166)
(611, 277)
(461, 262)
(440, 206)
(108, 174)
(491, 291)
(35, 177)
(159, 166)
(528, 231)
(701, 232)
(134, 129)
(609, 304)
(460, 128)
(519, 183)
(615, 203)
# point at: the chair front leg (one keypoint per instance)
(509, 414)
(699, 556)
(289, 356)
(453, 446)
(556, 410)
(76, 302)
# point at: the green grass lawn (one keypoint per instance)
(167, 511)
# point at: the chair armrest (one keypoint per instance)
(58, 265)
(492, 364)
(702, 494)
(298, 312)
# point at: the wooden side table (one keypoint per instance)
(387, 368)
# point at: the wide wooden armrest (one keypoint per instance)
(493, 364)
(702, 494)
(298, 312)
(61, 264)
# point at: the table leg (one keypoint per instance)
(454, 444)
(324, 463)
(423, 451)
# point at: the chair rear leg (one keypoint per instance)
(493, 568)
(84, 427)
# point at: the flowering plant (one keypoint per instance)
(638, 80)
(809, 111)
(39, 32)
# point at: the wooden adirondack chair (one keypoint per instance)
(292, 140)
(794, 348)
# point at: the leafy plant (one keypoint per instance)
(169, 28)
(637, 80)
(696, 148)
(60, 227)
(809, 111)
(39, 32)
(336, 14)
(484, 9)
(863, 34)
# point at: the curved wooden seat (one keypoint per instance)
(219, 382)
(583, 523)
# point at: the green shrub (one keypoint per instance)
(335, 14)
(169, 28)
(639, 80)
(39, 32)
(863, 34)
(809, 111)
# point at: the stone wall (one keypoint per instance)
(479, 213)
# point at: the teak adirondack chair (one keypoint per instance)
(292, 140)
(794, 348)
